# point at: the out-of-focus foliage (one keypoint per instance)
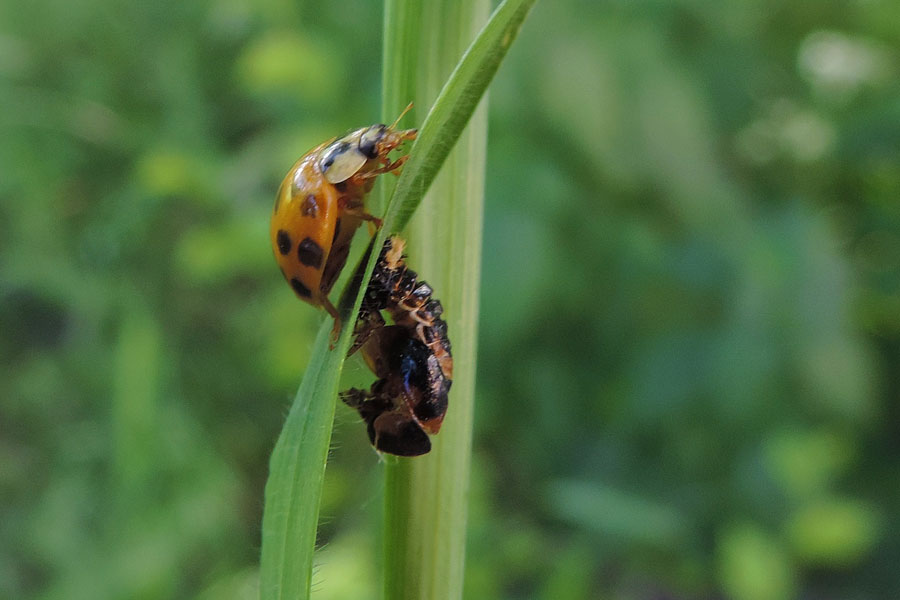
(691, 299)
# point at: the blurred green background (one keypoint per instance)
(690, 326)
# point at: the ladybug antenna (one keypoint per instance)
(405, 110)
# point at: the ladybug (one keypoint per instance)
(411, 358)
(321, 203)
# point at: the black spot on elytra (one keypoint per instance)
(310, 208)
(301, 289)
(310, 253)
(283, 240)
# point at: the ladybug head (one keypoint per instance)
(370, 140)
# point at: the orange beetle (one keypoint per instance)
(321, 203)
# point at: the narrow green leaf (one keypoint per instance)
(297, 467)
(296, 472)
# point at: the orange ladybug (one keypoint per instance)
(321, 203)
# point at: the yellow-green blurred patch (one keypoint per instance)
(837, 371)
(570, 574)
(298, 141)
(217, 254)
(169, 172)
(243, 585)
(753, 565)
(835, 533)
(289, 62)
(291, 324)
(806, 462)
(345, 570)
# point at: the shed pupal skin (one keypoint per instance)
(412, 358)
(396, 288)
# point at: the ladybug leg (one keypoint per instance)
(336, 329)
(394, 167)
(390, 167)
(360, 213)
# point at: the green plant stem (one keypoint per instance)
(426, 497)
(297, 466)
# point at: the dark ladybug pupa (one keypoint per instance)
(411, 358)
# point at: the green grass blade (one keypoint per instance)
(297, 467)
(426, 498)
(296, 472)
